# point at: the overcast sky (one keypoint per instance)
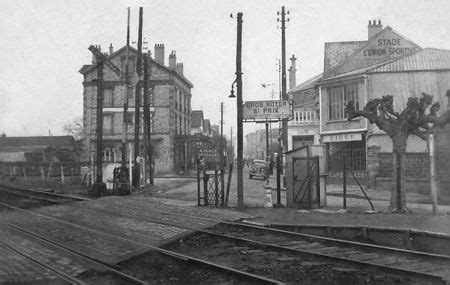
(44, 44)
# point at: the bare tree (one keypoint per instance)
(418, 118)
(75, 128)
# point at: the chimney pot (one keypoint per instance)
(159, 53)
(172, 60)
(373, 28)
(111, 50)
(179, 68)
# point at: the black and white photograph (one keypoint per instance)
(225, 142)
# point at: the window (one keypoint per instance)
(338, 98)
(107, 124)
(108, 154)
(108, 97)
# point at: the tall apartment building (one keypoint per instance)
(170, 101)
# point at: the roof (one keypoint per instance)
(308, 84)
(38, 142)
(196, 118)
(352, 62)
(88, 67)
(427, 59)
(336, 52)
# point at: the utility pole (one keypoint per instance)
(284, 95)
(240, 176)
(267, 148)
(147, 129)
(124, 186)
(221, 137)
(99, 186)
(137, 113)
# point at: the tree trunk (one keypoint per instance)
(398, 190)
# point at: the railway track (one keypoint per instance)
(282, 246)
(233, 275)
(425, 267)
(29, 198)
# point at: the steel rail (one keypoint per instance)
(326, 239)
(391, 269)
(261, 227)
(348, 261)
(57, 272)
(9, 189)
(179, 256)
(390, 250)
(110, 267)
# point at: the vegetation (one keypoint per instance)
(418, 118)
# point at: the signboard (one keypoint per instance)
(346, 137)
(207, 151)
(270, 110)
(337, 177)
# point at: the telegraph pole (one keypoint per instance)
(240, 176)
(284, 95)
(137, 114)
(123, 177)
(221, 136)
(147, 129)
(99, 186)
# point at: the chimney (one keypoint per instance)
(179, 68)
(292, 73)
(172, 60)
(111, 50)
(94, 58)
(159, 53)
(374, 28)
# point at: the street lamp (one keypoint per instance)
(232, 89)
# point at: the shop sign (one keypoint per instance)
(390, 44)
(346, 137)
(336, 177)
(272, 110)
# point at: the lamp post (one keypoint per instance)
(238, 81)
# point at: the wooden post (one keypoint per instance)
(433, 182)
(42, 173)
(62, 174)
(198, 186)
(344, 181)
(222, 187)
(216, 187)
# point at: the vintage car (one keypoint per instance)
(258, 169)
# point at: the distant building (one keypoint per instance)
(169, 97)
(385, 63)
(304, 127)
(36, 149)
(29, 156)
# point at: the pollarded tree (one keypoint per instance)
(418, 118)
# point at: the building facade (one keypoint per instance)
(385, 64)
(170, 105)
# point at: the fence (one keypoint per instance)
(417, 165)
(28, 169)
(355, 159)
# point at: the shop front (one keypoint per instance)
(345, 150)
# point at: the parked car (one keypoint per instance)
(258, 169)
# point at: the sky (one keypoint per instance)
(45, 43)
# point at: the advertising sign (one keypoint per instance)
(270, 110)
